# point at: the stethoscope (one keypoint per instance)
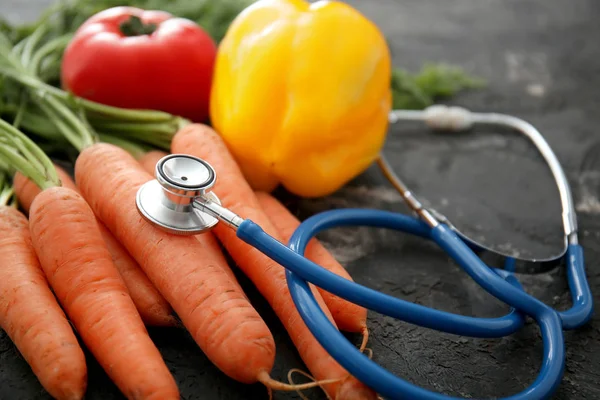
(180, 201)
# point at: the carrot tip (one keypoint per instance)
(302, 396)
(178, 323)
(270, 391)
(365, 339)
(72, 393)
(74, 396)
(164, 321)
(272, 384)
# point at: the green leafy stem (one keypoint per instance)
(21, 153)
(7, 193)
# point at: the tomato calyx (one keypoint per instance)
(134, 26)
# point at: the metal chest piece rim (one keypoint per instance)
(167, 201)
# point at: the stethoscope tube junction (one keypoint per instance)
(180, 201)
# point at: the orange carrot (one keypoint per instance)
(268, 276)
(188, 273)
(80, 269)
(348, 316)
(148, 162)
(26, 189)
(31, 316)
(153, 308)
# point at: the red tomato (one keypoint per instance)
(132, 58)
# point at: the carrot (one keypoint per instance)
(151, 305)
(80, 269)
(26, 189)
(269, 277)
(188, 273)
(153, 308)
(348, 316)
(31, 316)
(148, 161)
(78, 266)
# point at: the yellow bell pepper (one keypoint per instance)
(301, 94)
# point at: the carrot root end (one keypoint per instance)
(302, 396)
(272, 384)
(365, 339)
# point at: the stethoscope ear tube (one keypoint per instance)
(583, 301)
(452, 118)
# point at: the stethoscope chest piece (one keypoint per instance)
(167, 201)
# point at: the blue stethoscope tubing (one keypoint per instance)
(501, 284)
(202, 211)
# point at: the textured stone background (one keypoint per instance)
(542, 61)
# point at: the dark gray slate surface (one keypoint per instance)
(542, 61)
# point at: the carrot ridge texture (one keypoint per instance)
(31, 316)
(348, 316)
(187, 272)
(153, 308)
(26, 190)
(149, 160)
(80, 269)
(268, 276)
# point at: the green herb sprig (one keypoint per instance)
(432, 83)
(21, 153)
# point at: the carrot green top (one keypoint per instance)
(21, 153)
(7, 197)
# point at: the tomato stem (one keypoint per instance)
(134, 26)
